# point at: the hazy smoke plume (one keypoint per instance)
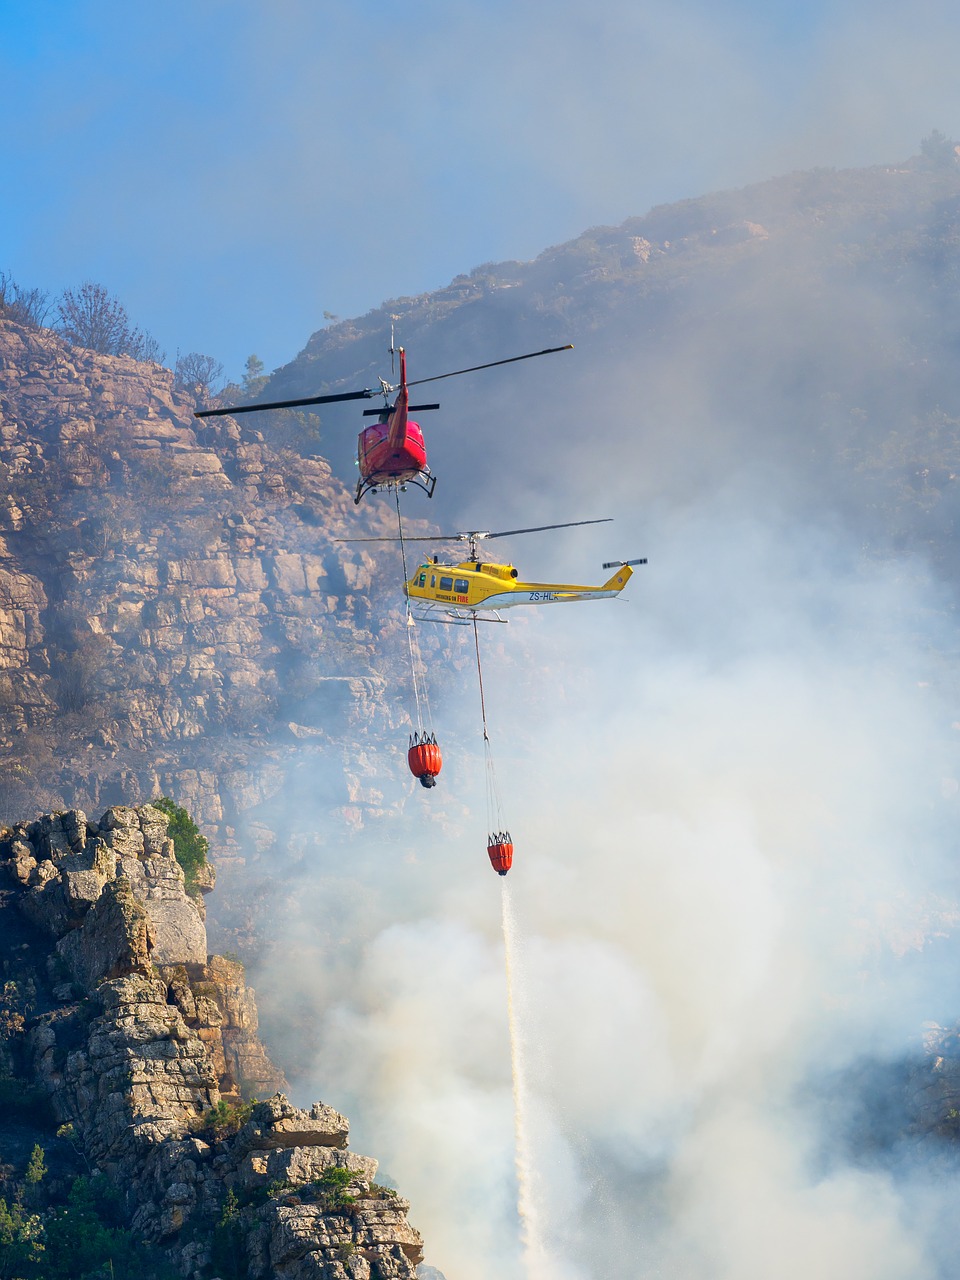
(733, 856)
(733, 796)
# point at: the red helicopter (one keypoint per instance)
(391, 453)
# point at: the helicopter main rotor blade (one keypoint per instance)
(547, 351)
(538, 528)
(477, 533)
(366, 394)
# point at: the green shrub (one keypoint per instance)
(21, 1240)
(36, 1167)
(279, 1187)
(82, 1239)
(189, 846)
(332, 1187)
(223, 1120)
(228, 1252)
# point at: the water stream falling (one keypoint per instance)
(534, 1253)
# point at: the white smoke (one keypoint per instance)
(727, 807)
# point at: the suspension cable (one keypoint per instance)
(417, 671)
(403, 547)
(495, 823)
(483, 709)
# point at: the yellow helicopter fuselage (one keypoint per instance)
(475, 585)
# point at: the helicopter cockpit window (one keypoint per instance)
(461, 586)
(433, 579)
(422, 580)
(446, 584)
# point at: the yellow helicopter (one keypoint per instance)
(478, 589)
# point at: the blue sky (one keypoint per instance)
(231, 170)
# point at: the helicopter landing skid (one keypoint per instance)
(452, 617)
(424, 480)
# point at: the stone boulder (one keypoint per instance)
(114, 939)
(276, 1123)
(66, 861)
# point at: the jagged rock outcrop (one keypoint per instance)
(146, 1047)
(111, 893)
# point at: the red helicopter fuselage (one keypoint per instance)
(381, 458)
(392, 451)
(390, 454)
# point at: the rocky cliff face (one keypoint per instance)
(177, 616)
(175, 612)
(146, 1048)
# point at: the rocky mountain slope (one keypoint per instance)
(798, 335)
(143, 1048)
(176, 614)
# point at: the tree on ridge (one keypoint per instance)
(93, 318)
